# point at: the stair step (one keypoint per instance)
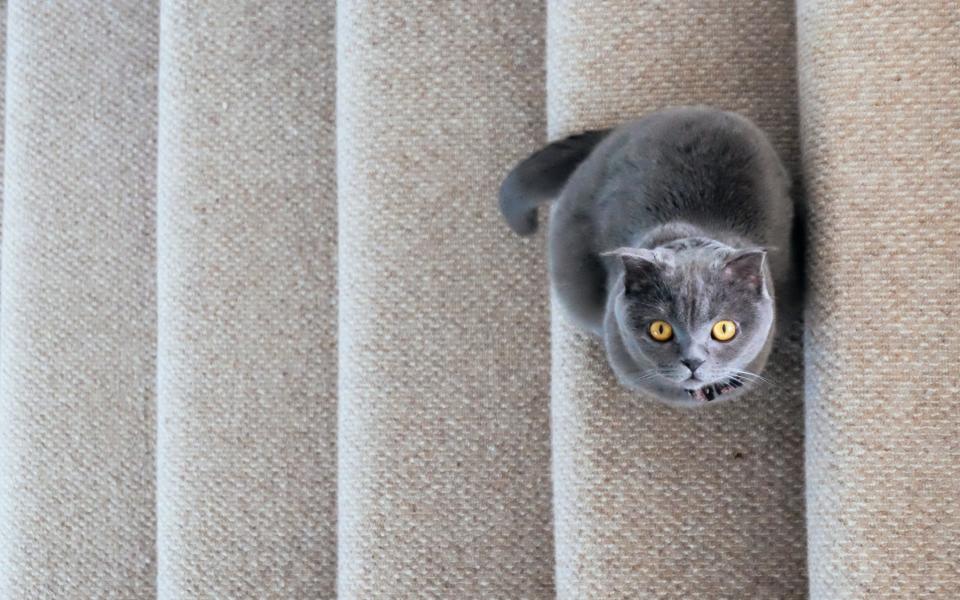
(246, 300)
(651, 500)
(77, 332)
(444, 437)
(880, 100)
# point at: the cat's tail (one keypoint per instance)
(540, 178)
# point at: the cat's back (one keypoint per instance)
(696, 164)
(695, 142)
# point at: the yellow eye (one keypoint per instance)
(661, 331)
(723, 331)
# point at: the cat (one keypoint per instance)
(671, 238)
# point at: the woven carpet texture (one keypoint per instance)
(78, 301)
(443, 477)
(880, 98)
(264, 334)
(246, 354)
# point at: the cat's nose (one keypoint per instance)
(692, 363)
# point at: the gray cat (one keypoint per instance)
(668, 239)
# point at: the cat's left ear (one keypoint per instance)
(745, 267)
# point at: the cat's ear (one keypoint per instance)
(745, 267)
(640, 268)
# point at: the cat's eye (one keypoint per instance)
(661, 331)
(723, 331)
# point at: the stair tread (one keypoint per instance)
(444, 439)
(247, 307)
(78, 310)
(689, 503)
(881, 116)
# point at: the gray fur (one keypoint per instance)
(684, 216)
(541, 177)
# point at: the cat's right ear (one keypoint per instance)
(541, 176)
(640, 269)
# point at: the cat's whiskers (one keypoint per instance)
(753, 377)
(647, 375)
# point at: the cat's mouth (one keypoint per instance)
(715, 390)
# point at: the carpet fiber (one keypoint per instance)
(444, 486)
(246, 443)
(78, 325)
(880, 94)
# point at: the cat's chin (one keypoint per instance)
(674, 394)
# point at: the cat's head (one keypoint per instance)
(694, 320)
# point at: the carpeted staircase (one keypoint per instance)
(263, 333)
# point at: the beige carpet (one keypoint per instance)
(78, 327)
(263, 333)
(246, 301)
(444, 488)
(880, 93)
